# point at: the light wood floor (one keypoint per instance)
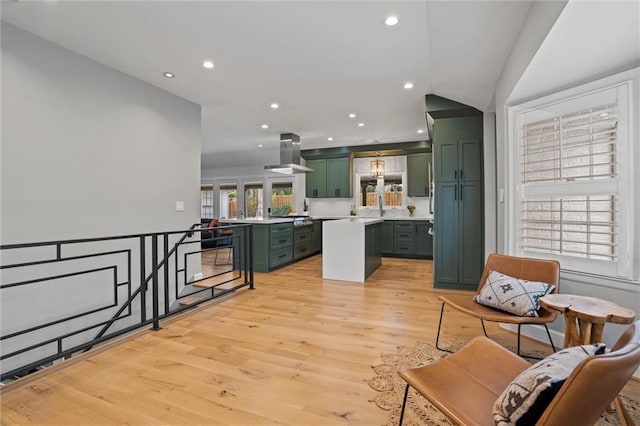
(296, 350)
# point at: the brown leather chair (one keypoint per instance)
(465, 385)
(547, 271)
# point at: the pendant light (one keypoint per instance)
(377, 167)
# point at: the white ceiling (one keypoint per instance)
(320, 60)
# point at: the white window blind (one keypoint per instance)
(206, 201)
(568, 178)
(577, 146)
(584, 226)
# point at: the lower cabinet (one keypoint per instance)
(316, 236)
(301, 242)
(387, 238)
(424, 240)
(372, 248)
(407, 238)
(272, 246)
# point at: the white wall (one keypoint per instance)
(490, 195)
(540, 19)
(87, 151)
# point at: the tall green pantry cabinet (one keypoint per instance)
(459, 206)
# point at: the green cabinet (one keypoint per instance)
(459, 207)
(407, 238)
(338, 178)
(404, 241)
(372, 248)
(272, 246)
(388, 238)
(316, 236)
(423, 240)
(418, 180)
(301, 242)
(316, 182)
(331, 179)
(458, 160)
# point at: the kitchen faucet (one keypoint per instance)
(380, 204)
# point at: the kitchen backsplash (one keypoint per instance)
(342, 206)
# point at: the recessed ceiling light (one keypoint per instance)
(329, 139)
(265, 126)
(274, 105)
(259, 145)
(360, 124)
(408, 85)
(391, 20)
(168, 74)
(352, 115)
(420, 131)
(207, 64)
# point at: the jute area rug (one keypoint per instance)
(419, 411)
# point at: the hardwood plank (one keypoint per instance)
(296, 350)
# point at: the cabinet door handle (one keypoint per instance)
(455, 194)
(455, 174)
(461, 174)
(460, 192)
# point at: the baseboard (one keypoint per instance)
(537, 332)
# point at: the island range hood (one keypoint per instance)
(289, 156)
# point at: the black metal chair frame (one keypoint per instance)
(484, 330)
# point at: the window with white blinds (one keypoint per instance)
(570, 160)
(577, 146)
(206, 201)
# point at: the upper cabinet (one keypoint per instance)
(418, 174)
(316, 182)
(457, 160)
(338, 177)
(331, 179)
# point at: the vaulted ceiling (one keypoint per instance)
(320, 61)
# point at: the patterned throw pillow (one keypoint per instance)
(513, 295)
(528, 395)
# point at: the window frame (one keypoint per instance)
(207, 193)
(253, 184)
(626, 85)
(276, 183)
(222, 186)
(380, 191)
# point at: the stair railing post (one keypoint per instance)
(250, 262)
(166, 272)
(143, 279)
(154, 281)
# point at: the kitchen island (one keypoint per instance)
(351, 248)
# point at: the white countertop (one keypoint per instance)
(383, 218)
(265, 221)
(268, 221)
(362, 220)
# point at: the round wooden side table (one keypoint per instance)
(584, 320)
(585, 317)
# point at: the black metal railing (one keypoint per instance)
(56, 294)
